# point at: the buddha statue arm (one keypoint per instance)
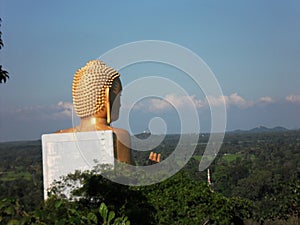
(123, 145)
(124, 151)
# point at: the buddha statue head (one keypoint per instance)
(96, 91)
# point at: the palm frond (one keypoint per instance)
(3, 75)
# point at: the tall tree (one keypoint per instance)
(3, 73)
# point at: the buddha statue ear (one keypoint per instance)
(107, 105)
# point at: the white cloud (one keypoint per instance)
(184, 101)
(232, 100)
(64, 109)
(216, 101)
(293, 98)
(169, 101)
(235, 99)
(158, 105)
(266, 99)
(61, 110)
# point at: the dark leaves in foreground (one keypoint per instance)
(3, 75)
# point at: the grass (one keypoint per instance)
(11, 176)
(226, 157)
(230, 157)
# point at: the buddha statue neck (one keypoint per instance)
(92, 123)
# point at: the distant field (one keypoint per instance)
(226, 157)
(230, 157)
(12, 175)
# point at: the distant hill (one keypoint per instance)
(261, 129)
(265, 129)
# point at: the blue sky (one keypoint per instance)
(251, 46)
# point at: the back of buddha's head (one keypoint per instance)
(89, 87)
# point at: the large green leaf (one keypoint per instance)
(103, 211)
(111, 216)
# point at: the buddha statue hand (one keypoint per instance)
(154, 158)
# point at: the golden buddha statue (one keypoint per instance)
(96, 93)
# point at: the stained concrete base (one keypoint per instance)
(67, 152)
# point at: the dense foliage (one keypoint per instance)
(255, 181)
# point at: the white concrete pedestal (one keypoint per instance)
(64, 153)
